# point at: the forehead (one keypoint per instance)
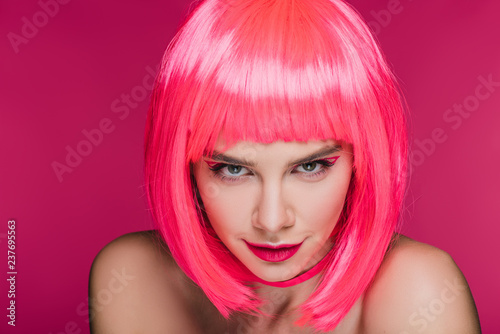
(244, 146)
(253, 148)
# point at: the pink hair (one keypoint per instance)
(268, 70)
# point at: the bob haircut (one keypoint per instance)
(264, 71)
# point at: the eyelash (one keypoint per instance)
(325, 163)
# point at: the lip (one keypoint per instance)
(272, 253)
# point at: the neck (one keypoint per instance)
(283, 298)
(283, 302)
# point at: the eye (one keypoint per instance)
(316, 168)
(234, 169)
(309, 166)
(232, 174)
(309, 170)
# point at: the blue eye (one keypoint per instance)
(311, 166)
(219, 168)
(310, 170)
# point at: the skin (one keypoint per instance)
(418, 288)
(276, 202)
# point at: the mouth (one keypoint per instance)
(272, 253)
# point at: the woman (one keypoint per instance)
(276, 164)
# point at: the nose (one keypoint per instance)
(272, 212)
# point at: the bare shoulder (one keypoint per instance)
(146, 245)
(136, 287)
(419, 289)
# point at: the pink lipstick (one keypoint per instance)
(273, 253)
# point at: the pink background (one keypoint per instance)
(72, 72)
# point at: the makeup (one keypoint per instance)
(322, 165)
(332, 160)
(271, 253)
(318, 268)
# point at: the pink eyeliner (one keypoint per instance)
(332, 160)
(211, 164)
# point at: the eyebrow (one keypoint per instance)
(313, 156)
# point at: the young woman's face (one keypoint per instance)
(259, 196)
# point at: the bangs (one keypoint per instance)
(242, 117)
(267, 77)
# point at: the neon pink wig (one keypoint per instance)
(268, 70)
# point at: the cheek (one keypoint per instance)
(227, 208)
(320, 206)
(320, 211)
